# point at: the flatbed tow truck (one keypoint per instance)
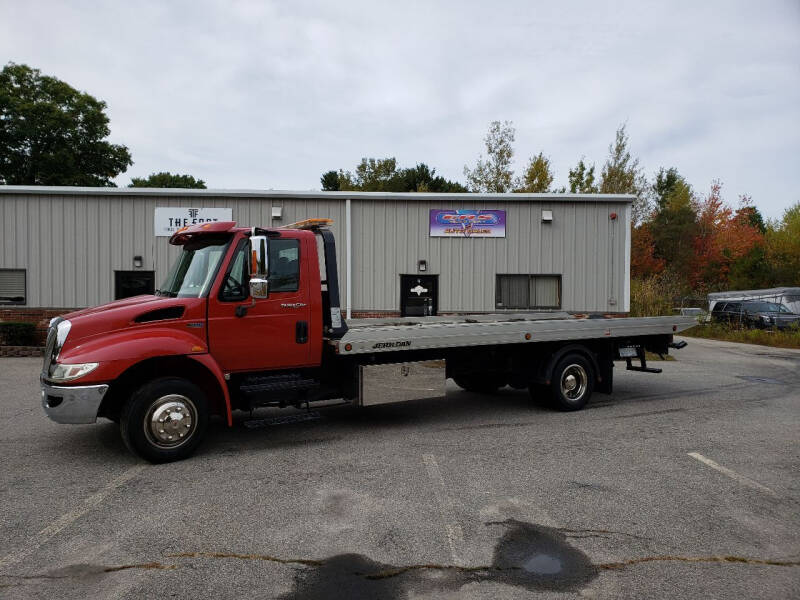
(250, 317)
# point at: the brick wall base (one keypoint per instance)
(39, 316)
(21, 351)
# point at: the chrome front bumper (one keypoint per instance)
(72, 404)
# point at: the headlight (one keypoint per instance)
(61, 372)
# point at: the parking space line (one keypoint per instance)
(37, 540)
(733, 474)
(455, 535)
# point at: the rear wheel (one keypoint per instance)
(165, 420)
(572, 383)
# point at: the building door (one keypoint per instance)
(419, 295)
(133, 283)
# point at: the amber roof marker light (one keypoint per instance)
(308, 224)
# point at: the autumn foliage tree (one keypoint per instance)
(643, 260)
(723, 237)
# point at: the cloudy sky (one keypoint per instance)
(257, 94)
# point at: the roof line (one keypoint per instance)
(469, 196)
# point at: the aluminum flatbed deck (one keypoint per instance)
(424, 333)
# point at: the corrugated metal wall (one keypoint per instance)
(581, 244)
(71, 244)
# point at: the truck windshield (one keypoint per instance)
(193, 272)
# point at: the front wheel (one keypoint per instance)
(165, 420)
(572, 383)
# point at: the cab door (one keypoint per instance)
(270, 333)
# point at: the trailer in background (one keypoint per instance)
(788, 296)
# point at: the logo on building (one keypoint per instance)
(168, 219)
(467, 223)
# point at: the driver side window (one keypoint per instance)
(235, 285)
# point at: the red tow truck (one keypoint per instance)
(250, 317)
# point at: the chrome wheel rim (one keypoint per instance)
(574, 382)
(170, 421)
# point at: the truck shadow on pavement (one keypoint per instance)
(271, 429)
(275, 429)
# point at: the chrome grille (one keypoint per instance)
(50, 346)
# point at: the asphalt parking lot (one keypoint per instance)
(679, 485)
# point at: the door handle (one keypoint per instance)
(301, 332)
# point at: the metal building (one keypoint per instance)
(415, 254)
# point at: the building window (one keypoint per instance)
(12, 286)
(133, 283)
(528, 291)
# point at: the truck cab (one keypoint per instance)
(237, 302)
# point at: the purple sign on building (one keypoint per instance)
(468, 223)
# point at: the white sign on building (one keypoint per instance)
(168, 219)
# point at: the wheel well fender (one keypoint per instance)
(201, 369)
(588, 354)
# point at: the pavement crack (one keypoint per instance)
(698, 559)
(578, 533)
(81, 571)
(263, 557)
(388, 573)
(146, 566)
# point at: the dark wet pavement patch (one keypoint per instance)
(529, 556)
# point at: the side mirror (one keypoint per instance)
(259, 267)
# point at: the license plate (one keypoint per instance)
(627, 352)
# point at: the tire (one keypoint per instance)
(478, 384)
(164, 420)
(572, 383)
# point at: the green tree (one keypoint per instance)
(52, 134)
(330, 181)
(422, 178)
(168, 180)
(622, 174)
(382, 175)
(783, 247)
(751, 271)
(494, 174)
(376, 174)
(674, 229)
(581, 179)
(750, 214)
(538, 176)
(665, 180)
